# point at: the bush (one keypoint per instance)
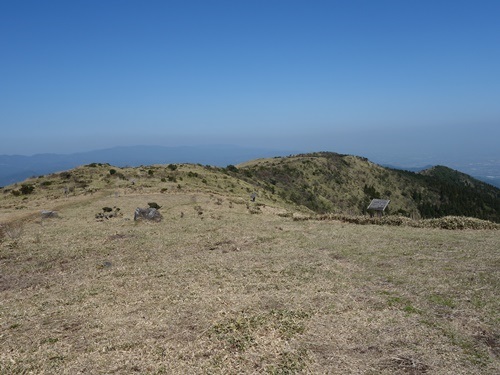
(232, 168)
(27, 189)
(172, 167)
(154, 205)
(112, 171)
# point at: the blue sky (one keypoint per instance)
(403, 77)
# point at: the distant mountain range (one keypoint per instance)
(16, 168)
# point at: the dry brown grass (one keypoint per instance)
(226, 291)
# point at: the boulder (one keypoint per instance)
(151, 214)
(47, 214)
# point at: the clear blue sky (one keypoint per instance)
(404, 76)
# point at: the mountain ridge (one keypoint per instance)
(16, 168)
(322, 182)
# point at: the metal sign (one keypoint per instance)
(378, 204)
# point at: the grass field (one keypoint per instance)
(226, 286)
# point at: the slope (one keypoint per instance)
(330, 182)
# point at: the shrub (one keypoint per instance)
(232, 168)
(448, 222)
(112, 171)
(27, 189)
(172, 167)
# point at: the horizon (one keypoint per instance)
(388, 81)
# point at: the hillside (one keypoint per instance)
(320, 182)
(224, 285)
(329, 182)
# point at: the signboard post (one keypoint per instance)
(378, 206)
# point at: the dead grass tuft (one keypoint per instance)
(406, 365)
(13, 230)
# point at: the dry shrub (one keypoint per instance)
(448, 222)
(459, 222)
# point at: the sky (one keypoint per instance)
(405, 78)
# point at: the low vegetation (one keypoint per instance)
(226, 285)
(448, 222)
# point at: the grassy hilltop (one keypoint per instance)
(224, 285)
(329, 182)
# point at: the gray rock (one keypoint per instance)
(47, 214)
(150, 213)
